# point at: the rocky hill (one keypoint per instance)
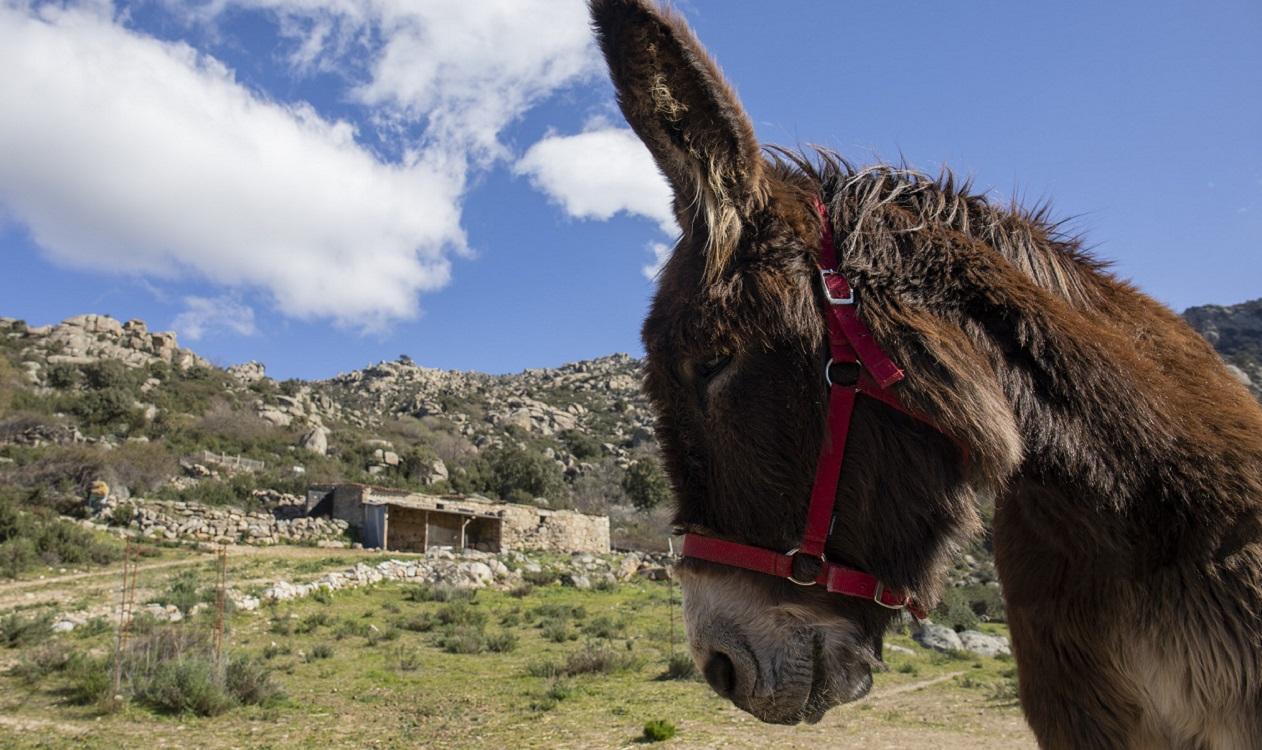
(92, 398)
(1236, 332)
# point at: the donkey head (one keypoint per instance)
(735, 344)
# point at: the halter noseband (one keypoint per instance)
(850, 342)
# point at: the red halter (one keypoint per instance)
(850, 342)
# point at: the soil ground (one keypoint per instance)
(402, 690)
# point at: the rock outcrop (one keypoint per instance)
(1236, 332)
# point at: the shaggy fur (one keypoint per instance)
(1125, 461)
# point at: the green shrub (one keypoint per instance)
(462, 639)
(407, 660)
(250, 683)
(319, 651)
(185, 592)
(418, 623)
(460, 613)
(37, 663)
(501, 643)
(383, 635)
(597, 660)
(659, 730)
(273, 650)
(555, 630)
(182, 686)
(88, 679)
(539, 578)
(558, 690)
(426, 593)
(313, 622)
(645, 484)
(544, 668)
(517, 474)
(17, 630)
(605, 627)
(559, 611)
(680, 667)
(33, 535)
(955, 611)
(581, 444)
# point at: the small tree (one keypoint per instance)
(645, 484)
(519, 475)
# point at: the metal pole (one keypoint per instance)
(221, 598)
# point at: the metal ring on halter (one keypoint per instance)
(876, 597)
(828, 371)
(793, 553)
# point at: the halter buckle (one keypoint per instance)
(824, 273)
(876, 597)
(793, 553)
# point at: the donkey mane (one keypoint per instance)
(1028, 237)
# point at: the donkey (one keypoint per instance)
(1124, 461)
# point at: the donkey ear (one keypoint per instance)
(676, 100)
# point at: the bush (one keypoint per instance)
(427, 593)
(558, 690)
(319, 651)
(581, 444)
(17, 630)
(407, 660)
(605, 627)
(171, 670)
(37, 663)
(659, 730)
(419, 623)
(645, 484)
(460, 613)
(555, 630)
(501, 643)
(30, 535)
(540, 577)
(88, 679)
(463, 639)
(597, 660)
(184, 592)
(680, 667)
(516, 474)
(182, 686)
(250, 683)
(955, 611)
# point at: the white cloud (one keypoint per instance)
(601, 172)
(129, 154)
(124, 153)
(466, 68)
(598, 173)
(661, 254)
(204, 315)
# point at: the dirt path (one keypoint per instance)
(57, 589)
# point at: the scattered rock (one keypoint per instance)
(937, 637)
(983, 644)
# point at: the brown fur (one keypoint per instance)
(1126, 463)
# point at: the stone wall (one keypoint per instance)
(557, 530)
(171, 521)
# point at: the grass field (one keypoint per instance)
(382, 667)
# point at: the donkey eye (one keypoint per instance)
(711, 367)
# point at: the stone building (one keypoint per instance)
(402, 521)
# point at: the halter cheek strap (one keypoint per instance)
(850, 342)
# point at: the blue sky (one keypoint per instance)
(319, 184)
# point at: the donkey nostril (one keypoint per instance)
(720, 672)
